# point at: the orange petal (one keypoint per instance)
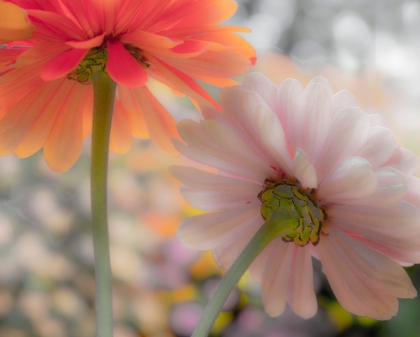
(121, 137)
(133, 112)
(64, 143)
(87, 44)
(183, 82)
(14, 23)
(160, 123)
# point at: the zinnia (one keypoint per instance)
(44, 97)
(351, 186)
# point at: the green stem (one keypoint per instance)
(104, 93)
(277, 225)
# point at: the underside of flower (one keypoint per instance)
(309, 214)
(95, 61)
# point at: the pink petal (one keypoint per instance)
(257, 125)
(123, 67)
(207, 231)
(261, 85)
(317, 118)
(399, 221)
(365, 282)
(275, 280)
(342, 100)
(212, 192)
(347, 134)
(259, 265)
(391, 188)
(62, 64)
(353, 179)
(87, 44)
(229, 250)
(304, 171)
(379, 147)
(290, 113)
(403, 160)
(301, 294)
(213, 144)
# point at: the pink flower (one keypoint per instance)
(342, 172)
(45, 99)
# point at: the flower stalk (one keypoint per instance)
(279, 224)
(104, 93)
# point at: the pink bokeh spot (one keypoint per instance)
(123, 67)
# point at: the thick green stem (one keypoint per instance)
(277, 225)
(104, 92)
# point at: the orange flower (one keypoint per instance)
(44, 99)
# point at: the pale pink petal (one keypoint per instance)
(391, 188)
(275, 280)
(220, 148)
(362, 278)
(290, 112)
(229, 250)
(261, 85)
(413, 192)
(379, 146)
(123, 68)
(258, 266)
(400, 221)
(62, 64)
(301, 294)
(347, 134)
(352, 179)
(321, 80)
(403, 160)
(304, 171)
(208, 231)
(342, 100)
(212, 192)
(257, 125)
(317, 118)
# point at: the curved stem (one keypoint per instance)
(277, 225)
(104, 92)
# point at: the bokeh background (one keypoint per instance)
(370, 47)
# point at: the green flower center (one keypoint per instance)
(309, 214)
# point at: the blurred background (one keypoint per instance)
(370, 47)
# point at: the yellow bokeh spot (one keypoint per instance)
(224, 319)
(341, 317)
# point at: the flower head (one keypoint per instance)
(45, 96)
(349, 184)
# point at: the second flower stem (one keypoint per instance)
(104, 93)
(278, 225)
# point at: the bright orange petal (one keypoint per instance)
(64, 143)
(133, 112)
(121, 137)
(14, 23)
(160, 123)
(183, 82)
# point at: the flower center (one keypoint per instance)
(309, 214)
(95, 61)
